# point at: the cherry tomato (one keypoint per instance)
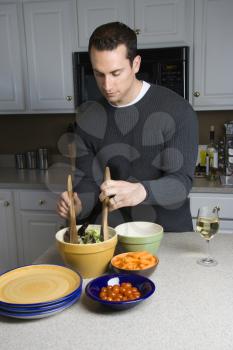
(103, 295)
(126, 284)
(116, 288)
(123, 292)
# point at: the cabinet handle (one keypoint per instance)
(69, 98)
(196, 93)
(42, 202)
(137, 31)
(6, 204)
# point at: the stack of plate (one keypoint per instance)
(37, 291)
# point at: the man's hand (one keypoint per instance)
(63, 205)
(123, 193)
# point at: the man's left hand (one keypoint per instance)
(122, 193)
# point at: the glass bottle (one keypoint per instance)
(211, 157)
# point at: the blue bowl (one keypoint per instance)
(144, 284)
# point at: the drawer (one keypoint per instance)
(37, 200)
(224, 201)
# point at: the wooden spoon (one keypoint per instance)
(72, 228)
(107, 176)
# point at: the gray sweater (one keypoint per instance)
(153, 142)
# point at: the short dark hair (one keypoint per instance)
(108, 36)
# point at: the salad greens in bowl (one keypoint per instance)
(90, 259)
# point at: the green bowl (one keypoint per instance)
(139, 236)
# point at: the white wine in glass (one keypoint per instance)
(207, 226)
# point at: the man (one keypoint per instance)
(146, 134)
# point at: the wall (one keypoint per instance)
(216, 118)
(21, 133)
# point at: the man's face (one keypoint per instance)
(114, 74)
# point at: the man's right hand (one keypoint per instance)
(63, 205)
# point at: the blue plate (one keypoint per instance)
(144, 284)
(30, 309)
(39, 314)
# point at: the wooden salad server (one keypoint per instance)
(104, 227)
(72, 221)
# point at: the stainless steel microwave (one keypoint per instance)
(163, 66)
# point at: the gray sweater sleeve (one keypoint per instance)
(178, 160)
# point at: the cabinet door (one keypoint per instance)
(8, 250)
(163, 21)
(213, 55)
(37, 234)
(92, 13)
(224, 201)
(11, 81)
(50, 40)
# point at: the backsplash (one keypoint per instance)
(30, 132)
(216, 118)
(23, 133)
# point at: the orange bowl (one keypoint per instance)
(132, 267)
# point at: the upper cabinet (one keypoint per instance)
(213, 55)
(11, 68)
(36, 51)
(156, 22)
(37, 38)
(163, 22)
(92, 13)
(50, 40)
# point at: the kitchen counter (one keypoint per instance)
(192, 308)
(55, 179)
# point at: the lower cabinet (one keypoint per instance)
(28, 225)
(224, 201)
(8, 242)
(37, 223)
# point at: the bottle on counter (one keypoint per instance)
(211, 157)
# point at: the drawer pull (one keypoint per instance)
(196, 93)
(42, 202)
(6, 204)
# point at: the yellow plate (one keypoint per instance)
(37, 284)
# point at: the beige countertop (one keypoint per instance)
(191, 308)
(55, 179)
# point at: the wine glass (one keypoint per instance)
(207, 226)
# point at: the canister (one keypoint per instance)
(31, 159)
(43, 158)
(20, 161)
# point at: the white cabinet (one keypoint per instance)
(50, 39)
(213, 55)
(156, 22)
(92, 13)
(224, 201)
(37, 39)
(11, 73)
(164, 22)
(28, 225)
(8, 247)
(37, 221)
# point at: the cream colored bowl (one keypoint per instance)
(139, 236)
(90, 260)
